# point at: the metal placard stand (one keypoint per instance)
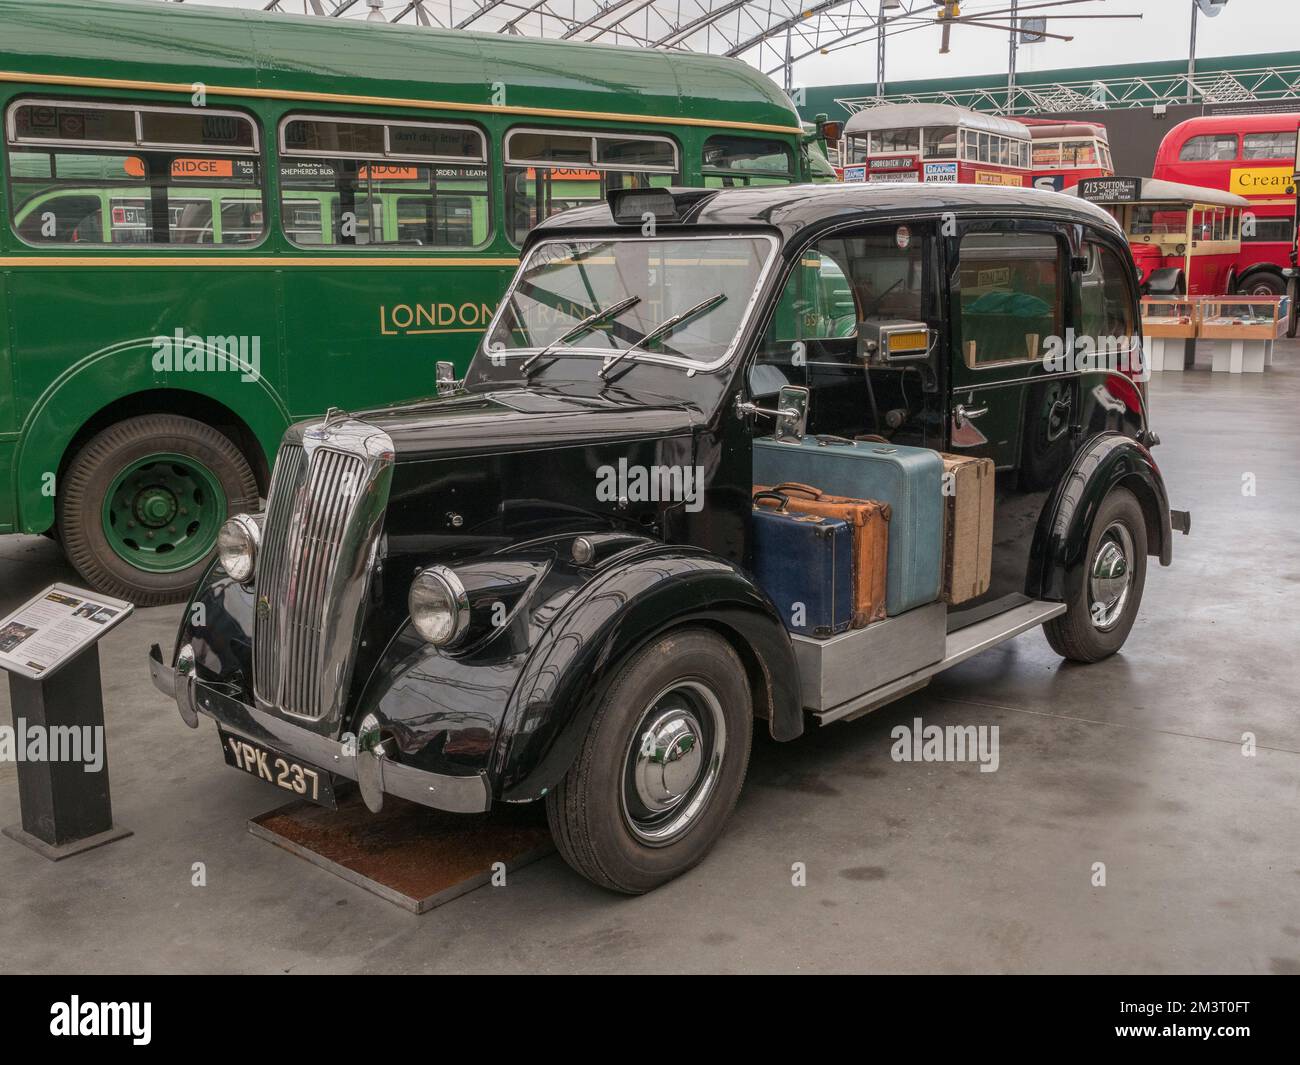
(50, 648)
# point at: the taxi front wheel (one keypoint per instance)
(661, 767)
(1105, 592)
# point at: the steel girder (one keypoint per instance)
(763, 32)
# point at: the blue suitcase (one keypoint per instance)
(909, 479)
(804, 562)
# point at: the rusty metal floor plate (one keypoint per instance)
(412, 856)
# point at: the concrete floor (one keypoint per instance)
(1135, 762)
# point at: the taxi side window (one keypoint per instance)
(816, 306)
(875, 274)
(1107, 295)
(1012, 296)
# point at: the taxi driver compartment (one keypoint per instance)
(858, 325)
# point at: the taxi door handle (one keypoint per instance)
(962, 414)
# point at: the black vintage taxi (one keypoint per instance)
(540, 584)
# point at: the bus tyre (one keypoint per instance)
(661, 767)
(1104, 593)
(140, 504)
(1262, 284)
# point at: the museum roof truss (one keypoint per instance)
(766, 33)
(1261, 84)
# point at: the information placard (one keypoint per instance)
(48, 630)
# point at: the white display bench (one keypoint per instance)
(1242, 330)
(1169, 330)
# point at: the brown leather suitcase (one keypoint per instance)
(968, 526)
(870, 524)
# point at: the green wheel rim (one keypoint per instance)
(161, 514)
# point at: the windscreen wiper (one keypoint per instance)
(664, 328)
(578, 330)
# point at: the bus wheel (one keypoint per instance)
(661, 767)
(1104, 594)
(141, 503)
(1262, 285)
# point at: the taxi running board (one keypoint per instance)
(958, 646)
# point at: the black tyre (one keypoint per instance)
(1104, 593)
(661, 767)
(1262, 284)
(140, 504)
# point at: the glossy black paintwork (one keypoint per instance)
(497, 482)
(514, 419)
(801, 212)
(618, 608)
(1110, 460)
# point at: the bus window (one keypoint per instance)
(190, 221)
(79, 218)
(301, 219)
(131, 221)
(1279, 145)
(1011, 296)
(362, 223)
(1209, 147)
(241, 220)
(896, 140)
(1047, 154)
(1079, 153)
(547, 171)
(377, 182)
(1166, 222)
(452, 224)
(853, 149)
(940, 142)
(155, 172)
(1266, 230)
(128, 220)
(738, 162)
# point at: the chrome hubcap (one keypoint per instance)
(1111, 576)
(673, 761)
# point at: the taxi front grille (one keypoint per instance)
(317, 542)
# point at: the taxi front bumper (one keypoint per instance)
(376, 772)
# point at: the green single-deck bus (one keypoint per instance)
(215, 222)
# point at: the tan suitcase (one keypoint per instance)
(869, 521)
(968, 526)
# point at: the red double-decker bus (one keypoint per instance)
(1065, 153)
(935, 143)
(1253, 156)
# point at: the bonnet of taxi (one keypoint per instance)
(487, 490)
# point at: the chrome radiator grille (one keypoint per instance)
(323, 512)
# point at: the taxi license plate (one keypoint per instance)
(266, 763)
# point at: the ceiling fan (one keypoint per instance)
(949, 15)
